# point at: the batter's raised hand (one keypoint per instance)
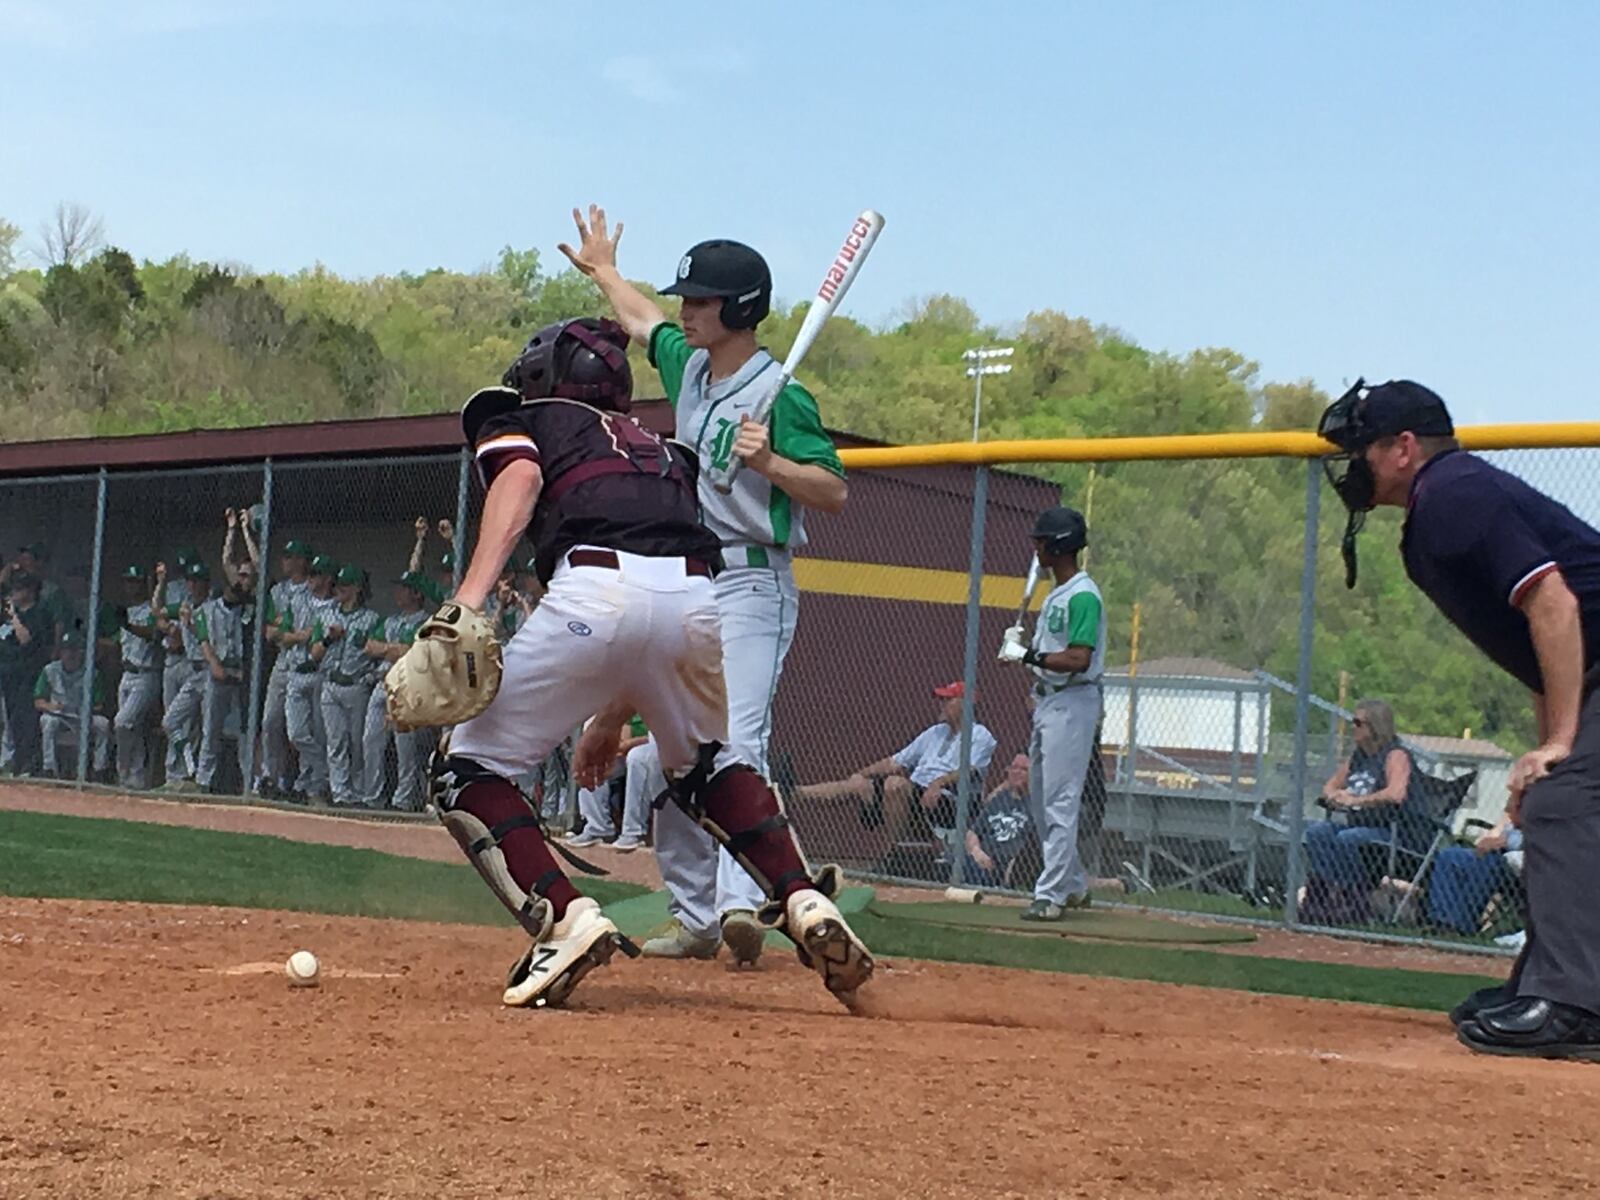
(597, 249)
(753, 444)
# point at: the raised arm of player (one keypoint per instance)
(506, 512)
(596, 257)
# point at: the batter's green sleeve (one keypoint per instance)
(797, 431)
(669, 353)
(1083, 619)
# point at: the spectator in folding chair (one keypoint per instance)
(1379, 794)
(913, 791)
(1465, 879)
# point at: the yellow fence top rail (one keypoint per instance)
(1198, 445)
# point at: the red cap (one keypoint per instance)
(951, 690)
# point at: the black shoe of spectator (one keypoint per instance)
(1487, 997)
(1529, 1027)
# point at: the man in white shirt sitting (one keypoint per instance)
(914, 789)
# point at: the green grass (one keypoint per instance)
(96, 859)
(85, 858)
(1202, 968)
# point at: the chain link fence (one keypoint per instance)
(1269, 746)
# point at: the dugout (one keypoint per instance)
(884, 584)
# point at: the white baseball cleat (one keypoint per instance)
(575, 945)
(827, 944)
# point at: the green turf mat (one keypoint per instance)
(93, 858)
(1114, 925)
(638, 915)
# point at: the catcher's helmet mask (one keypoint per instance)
(583, 358)
(730, 270)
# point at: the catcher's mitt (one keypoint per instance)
(449, 675)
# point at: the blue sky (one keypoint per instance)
(1379, 189)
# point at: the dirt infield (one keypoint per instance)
(156, 1051)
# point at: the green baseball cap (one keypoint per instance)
(448, 560)
(196, 570)
(133, 572)
(187, 555)
(71, 637)
(324, 564)
(416, 581)
(298, 549)
(350, 573)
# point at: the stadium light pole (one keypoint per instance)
(980, 362)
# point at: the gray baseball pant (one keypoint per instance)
(1058, 752)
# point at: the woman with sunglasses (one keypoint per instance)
(1373, 796)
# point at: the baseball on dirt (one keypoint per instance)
(302, 968)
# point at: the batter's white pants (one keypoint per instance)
(61, 729)
(1058, 754)
(645, 636)
(758, 607)
(138, 701)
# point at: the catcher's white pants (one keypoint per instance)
(757, 607)
(645, 636)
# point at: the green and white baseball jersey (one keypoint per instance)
(708, 415)
(304, 611)
(190, 633)
(401, 628)
(138, 651)
(222, 624)
(346, 658)
(1073, 615)
(60, 686)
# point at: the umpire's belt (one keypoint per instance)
(344, 680)
(1050, 689)
(609, 559)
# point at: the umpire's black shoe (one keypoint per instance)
(1489, 997)
(1529, 1027)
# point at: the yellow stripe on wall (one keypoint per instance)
(835, 577)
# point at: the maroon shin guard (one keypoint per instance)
(739, 802)
(501, 807)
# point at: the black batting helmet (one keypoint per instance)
(731, 270)
(583, 358)
(1062, 530)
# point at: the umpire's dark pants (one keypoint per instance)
(1561, 831)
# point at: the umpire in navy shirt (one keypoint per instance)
(1518, 574)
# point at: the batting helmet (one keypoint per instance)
(584, 358)
(731, 270)
(1062, 530)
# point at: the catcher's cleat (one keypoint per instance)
(575, 945)
(745, 936)
(675, 941)
(826, 943)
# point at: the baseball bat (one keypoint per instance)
(1029, 586)
(842, 272)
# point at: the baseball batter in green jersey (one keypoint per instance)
(1066, 660)
(715, 373)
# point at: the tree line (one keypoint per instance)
(96, 343)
